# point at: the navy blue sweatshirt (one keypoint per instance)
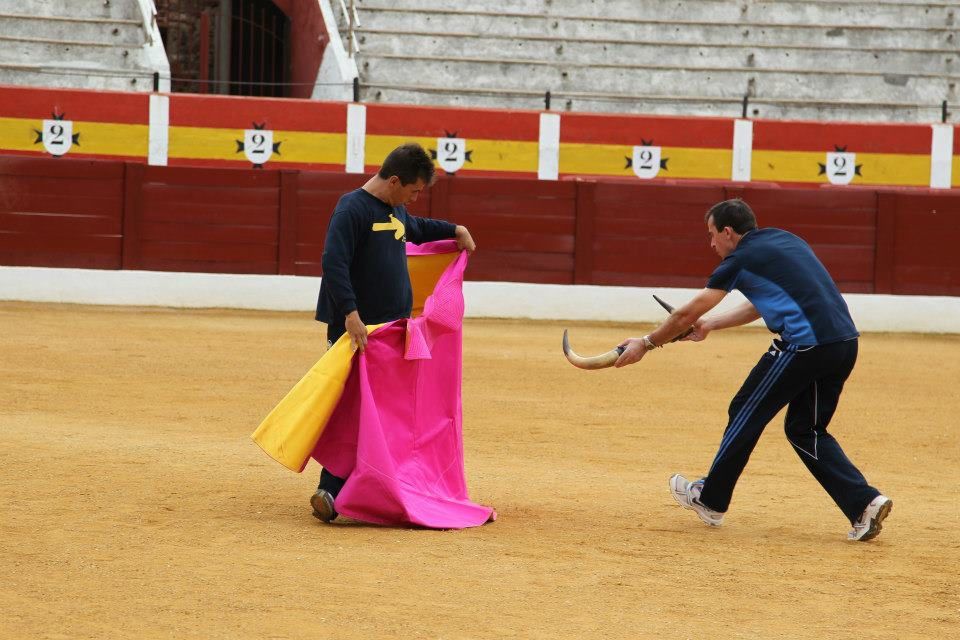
(365, 260)
(782, 277)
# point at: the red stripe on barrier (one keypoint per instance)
(482, 124)
(238, 112)
(634, 130)
(89, 106)
(861, 138)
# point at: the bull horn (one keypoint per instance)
(595, 362)
(665, 305)
(670, 310)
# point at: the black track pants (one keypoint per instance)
(808, 381)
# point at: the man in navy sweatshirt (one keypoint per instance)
(365, 279)
(804, 369)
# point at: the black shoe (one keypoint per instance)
(322, 503)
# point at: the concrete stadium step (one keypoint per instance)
(688, 31)
(109, 9)
(122, 32)
(93, 44)
(838, 59)
(854, 13)
(611, 78)
(40, 75)
(54, 53)
(651, 104)
(740, 56)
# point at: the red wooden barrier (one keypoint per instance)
(110, 215)
(839, 223)
(926, 237)
(652, 234)
(524, 228)
(210, 220)
(60, 213)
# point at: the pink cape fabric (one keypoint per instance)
(396, 433)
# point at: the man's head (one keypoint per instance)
(408, 170)
(727, 222)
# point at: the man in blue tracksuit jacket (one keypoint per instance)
(804, 370)
(365, 279)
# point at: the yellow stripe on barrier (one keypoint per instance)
(97, 138)
(611, 160)
(204, 143)
(874, 168)
(485, 155)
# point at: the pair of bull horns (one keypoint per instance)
(609, 358)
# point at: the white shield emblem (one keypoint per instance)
(451, 153)
(841, 167)
(646, 162)
(57, 136)
(257, 145)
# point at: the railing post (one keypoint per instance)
(350, 34)
(546, 100)
(204, 50)
(943, 112)
(746, 103)
(356, 89)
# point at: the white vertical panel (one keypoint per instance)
(159, 136)
(742, 150)
(356, 137)
(941, 156)
(549, 164)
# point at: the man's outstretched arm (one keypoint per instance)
(678, 322)
(740, 315)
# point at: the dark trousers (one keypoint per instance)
(328, 481)
(808, 381)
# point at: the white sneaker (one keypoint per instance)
(687, 494)
(871, 520)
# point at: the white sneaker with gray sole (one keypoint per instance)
(687, 495)
(871, 520)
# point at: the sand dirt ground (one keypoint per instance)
(134, 504)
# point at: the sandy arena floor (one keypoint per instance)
(136, 506)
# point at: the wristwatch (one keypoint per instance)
(648, 343)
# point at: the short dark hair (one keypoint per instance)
(409, 162)
(735, 214)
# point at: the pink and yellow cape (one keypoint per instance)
(390, 419)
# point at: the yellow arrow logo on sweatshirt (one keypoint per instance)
(394, 225)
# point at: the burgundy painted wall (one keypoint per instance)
(111, 215)
(308, 40)
(63, 215)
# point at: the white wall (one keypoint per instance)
(928, 314)
(337, 69)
